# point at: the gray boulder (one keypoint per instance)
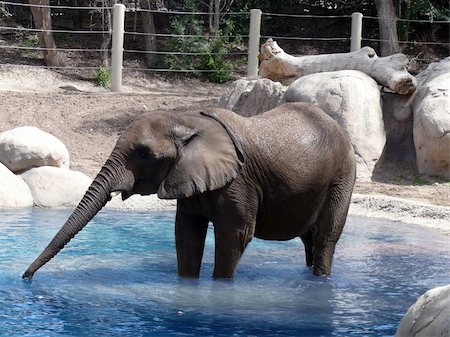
(431, 129)
(14, 192)
(429, 316)
(56, 187)
(26, 147)
(352, 98)
(249, 97)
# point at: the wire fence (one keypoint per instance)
(134, 48)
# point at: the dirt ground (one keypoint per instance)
(89, 119)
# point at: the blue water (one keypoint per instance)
(118, 278)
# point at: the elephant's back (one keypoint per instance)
(298, 118)
(302, 138)
(301, 124)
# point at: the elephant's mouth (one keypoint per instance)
(141, 187)
(125, 194)
(124, 187)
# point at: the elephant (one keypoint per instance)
(284, 174)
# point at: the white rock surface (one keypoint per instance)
(352, 98)
(249, 97)
(14, 192)
(399, 209)
(429, 316)
(56, 187)
(141, 203)
(431, 129)
(26, 147)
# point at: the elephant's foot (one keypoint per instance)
(321, 271)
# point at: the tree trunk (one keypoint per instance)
(387, 23)
(106, 18)
(148, 22)
(211, 15)
(388, 71)
(42, 20)
(216, 15)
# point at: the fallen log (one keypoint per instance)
(389, 71)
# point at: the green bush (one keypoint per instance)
(214, 49)
(28, 41)
(435, 10)
(102, 77)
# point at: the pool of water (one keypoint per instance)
(118, 278)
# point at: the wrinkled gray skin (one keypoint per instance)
(286, 173)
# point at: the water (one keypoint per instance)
(118, 278)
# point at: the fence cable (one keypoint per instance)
(307, 16)
(58, 49)
(171, 12)
(176, 53)
(124, 68)
(8, 3)
(186, 35)
(306, 38)
(408, 42)
(404, 20)
(56, 30)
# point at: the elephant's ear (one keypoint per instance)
(209, 156)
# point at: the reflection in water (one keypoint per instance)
(118, 278)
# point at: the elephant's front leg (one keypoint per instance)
(229, 246)
(190, 235)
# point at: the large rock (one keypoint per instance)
(253, 97)
(56, 187)
(14, 192)
(431, 108)
(26, 147)
(429, 316)
(352, 98)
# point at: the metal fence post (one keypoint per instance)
(117, 47)
(253, 42)
(356, 37)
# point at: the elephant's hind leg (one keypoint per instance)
(330, 224)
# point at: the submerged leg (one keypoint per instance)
(190, 235)
(229, 246)
(329, 228)
(309, 248)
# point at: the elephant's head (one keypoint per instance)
(172, 154)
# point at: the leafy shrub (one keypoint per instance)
(102, 77)
(28, 41)
(434, 10)
(213, 49)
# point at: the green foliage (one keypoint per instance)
(102, 77)
(213, 49)
(420, 180)
(4, 12)
(28, 41)
(31, 40)
(429, 10)
(435, 10)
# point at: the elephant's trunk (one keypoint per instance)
(111, 175)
